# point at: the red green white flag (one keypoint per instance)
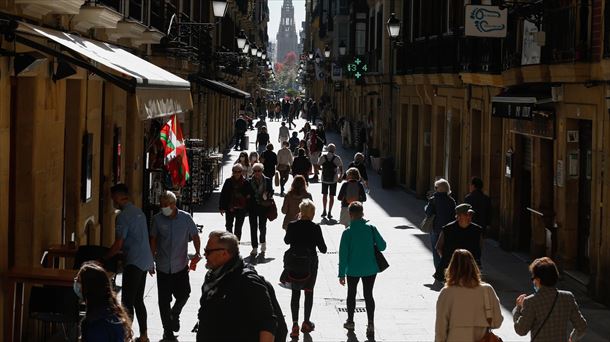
(175, 159)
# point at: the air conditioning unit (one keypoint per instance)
(557, 93)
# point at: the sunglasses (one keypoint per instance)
(209, 251)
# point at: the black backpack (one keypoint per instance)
(329, 169)
(281, 330)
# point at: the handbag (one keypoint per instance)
(489, 336)
(382, 263)
(427, 224)
(277, 178)
(272, 211)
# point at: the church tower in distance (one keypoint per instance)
(286, 34)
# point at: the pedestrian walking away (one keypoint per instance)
(105, 318)
(459, 234)
(442, 207)
(304, 237)
(545, 313)
(351, 191)
(234, 196)
(301, 165)
(481, 204)
(235, 303)
(132, 240)
(466, 307)
(332, 170)
(284, 163)
(171, 231)
(258, 207)
(269, 160)
(284, 133)
(357, 261)
(298, 192)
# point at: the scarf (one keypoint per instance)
(214, 277)
(259, 188)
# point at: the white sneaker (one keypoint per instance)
(254, 252)
(263, 247)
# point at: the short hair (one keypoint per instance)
(168, 196)
(462, 270)
(331, 148)
(237, 166)
(477, 183)
(442, 185)
(227, 240)
(294, 134)
(285, 143)
(269, 147)
(353, 173)
(358, 156)
(307, 208)
(301, 152)
(356, 208)
(283, 123)
(258, 166)
(545, 269)
(119, 189)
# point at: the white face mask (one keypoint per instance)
(167, 211)
(242, 158)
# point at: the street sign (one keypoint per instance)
(337, 71)
(485, 21)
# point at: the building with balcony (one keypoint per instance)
(526, 112)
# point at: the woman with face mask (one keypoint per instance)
(253, 159)
(244, 161)
(105, 318)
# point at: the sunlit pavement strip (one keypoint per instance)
(405, 295)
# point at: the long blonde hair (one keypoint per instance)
(463, 270)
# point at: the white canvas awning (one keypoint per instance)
(159, 93)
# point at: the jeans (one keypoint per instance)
(352, 286)
(169, 285)
(132, 296)
(433, 240)
(239, 216)
(258, 221)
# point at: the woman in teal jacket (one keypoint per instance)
(357, 260)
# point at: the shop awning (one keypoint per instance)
(158, 92)
(221, 87)
(519, 102)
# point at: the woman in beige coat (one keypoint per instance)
(466, 307)
(298, 192)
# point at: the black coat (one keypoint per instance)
(239, 311)
(226, 194)
(301, 166)
(481, 205)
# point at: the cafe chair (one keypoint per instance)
(52, 306)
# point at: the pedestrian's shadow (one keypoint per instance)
(436, 286)
(351, 337)
(328, 222)
(261, 259)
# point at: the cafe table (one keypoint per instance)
(16, 279)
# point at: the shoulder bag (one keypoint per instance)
(546, 318)
(382, 263)
(489, 336)
(427, 224)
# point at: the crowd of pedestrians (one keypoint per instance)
(238, 304)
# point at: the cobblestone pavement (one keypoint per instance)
(405, 294)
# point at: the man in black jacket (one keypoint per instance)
(234, 198)
(235, 302)
(241, 126)
(479, 201)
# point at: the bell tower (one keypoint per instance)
(286, 34)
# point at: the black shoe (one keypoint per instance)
(176, 323)
(169, 336)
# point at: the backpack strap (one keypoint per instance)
(547, 317)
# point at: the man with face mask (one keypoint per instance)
(171, 231)
(131, 231)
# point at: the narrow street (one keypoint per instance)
(405, 294)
